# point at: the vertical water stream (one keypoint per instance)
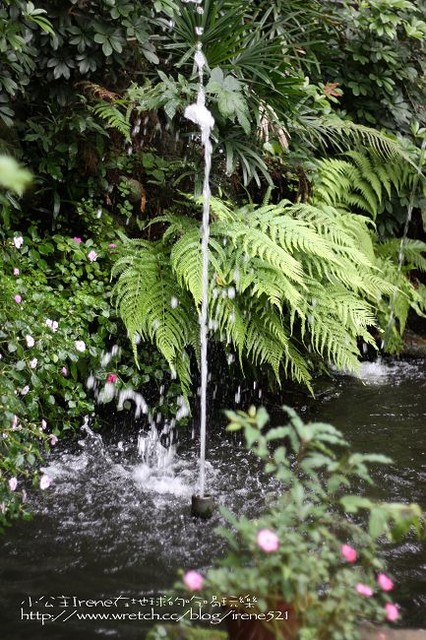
(200, 115)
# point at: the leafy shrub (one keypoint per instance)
(56, 325)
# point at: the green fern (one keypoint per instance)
(153, 305)
(362, 181)
(113, 117)
(408, 294)
(289, 283)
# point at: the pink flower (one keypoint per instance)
(33, 363)
(364, 590)
(16, 271)
(112, 378)
(25, 390)
(13, 483)
(384, 582)
(348, 553)
(92, 255)
(18, 299)
(392, 612)
(18, 241)
(112, 245)
(267, 540)
(64, 371)
(53, 439)
(45, 482)
(193, 580)
(77, 240)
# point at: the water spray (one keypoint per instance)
(202, 504)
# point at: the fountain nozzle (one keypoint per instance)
(202, 506)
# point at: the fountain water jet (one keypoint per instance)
(200, 115)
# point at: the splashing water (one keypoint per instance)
(200, 115)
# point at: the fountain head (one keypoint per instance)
(202, 506)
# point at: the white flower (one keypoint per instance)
(52, 324)
(25, 390)
(18, 241)
(80, 345)
(92, 255)
(33, 363)
(15, 422)
(29, 340)
(43, 424)
(45, 482)
(16, 271)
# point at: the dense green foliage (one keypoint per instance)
(92, 100)
(57, 327)
(288, 282)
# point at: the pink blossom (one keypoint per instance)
(16, 271)
(92, 255)
(267, 540)
(25, 390)
(364, 590)
(45, 482)
(53, 439)
(392, 612)
(64, 371)
(13, 483)
(193, 580)
(18, 299)
(33, 363)
(77, 240)
(18, 241)
(384, 582)
(112, 245)
(348, 553)
(112, 378)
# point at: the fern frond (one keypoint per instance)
(285, 277)
(113, 117)
(343, 133)
(144, 296)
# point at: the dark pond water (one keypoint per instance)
(113, 527)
